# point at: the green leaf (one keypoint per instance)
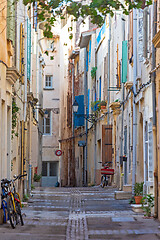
(71, 36)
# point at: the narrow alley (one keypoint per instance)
(80, 214)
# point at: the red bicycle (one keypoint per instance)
(106, 172)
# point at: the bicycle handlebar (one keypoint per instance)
(19, 176)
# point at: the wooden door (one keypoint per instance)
(106, 144)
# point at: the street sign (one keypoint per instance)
(58, 153)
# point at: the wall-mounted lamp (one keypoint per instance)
(75, 106)
(89, 117)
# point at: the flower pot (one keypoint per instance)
(103, 107)
(138, 199)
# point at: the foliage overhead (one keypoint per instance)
(97, 10)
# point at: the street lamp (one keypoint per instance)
(88, 117)
(75, 106)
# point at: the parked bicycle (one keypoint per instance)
(11, 201)
(106, 172)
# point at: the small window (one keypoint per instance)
(53, 168)
(47, 124)
(49, 169)
(48, 81)
(44, 168)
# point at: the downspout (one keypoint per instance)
(72, 180)
(25, 61)
(25, 92)
(86, 123)
(122, 122)
(134, 104)
(95, 126)
(109, 50)
(153, 78)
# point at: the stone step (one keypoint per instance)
(120, 195)
(127, 188)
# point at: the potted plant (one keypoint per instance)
(147, 204)
(138, 192)
(102, 104)
(36, 179)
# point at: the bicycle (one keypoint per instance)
(8, 202)
(4, 186)
(12, 202)
(106, 172)
(17, 199)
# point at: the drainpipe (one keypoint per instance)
(25, 61)
(122, 122)
(134, 104)
(153, 78)
(72, 180)
(25, 91)
(86, 123)
(95, 126)
(109, 43)
(30, 147)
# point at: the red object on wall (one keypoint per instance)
(35, 170)
(107, 171)
(58, 153)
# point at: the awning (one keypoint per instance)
(85, 37)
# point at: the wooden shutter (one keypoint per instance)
(106, 143)
(130, 53)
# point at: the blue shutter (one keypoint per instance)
(87, 62)
(95, 96)
(28, 49)
(79, 116)
(100, 88)
(124, 61)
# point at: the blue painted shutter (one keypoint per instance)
(28, 49)
(124, 61)
(79, 116)
(100, 88)
(87, 62)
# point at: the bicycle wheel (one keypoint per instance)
(11, 212)
(102, 181)
(18, 209)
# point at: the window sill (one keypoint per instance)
(48, 89)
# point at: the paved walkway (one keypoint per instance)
(80, 214)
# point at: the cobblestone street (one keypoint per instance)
(79, 214)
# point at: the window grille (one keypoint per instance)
(48, 81)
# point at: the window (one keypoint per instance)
(47, 124)
(48, 81)
(49, 169)
(44, 169)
